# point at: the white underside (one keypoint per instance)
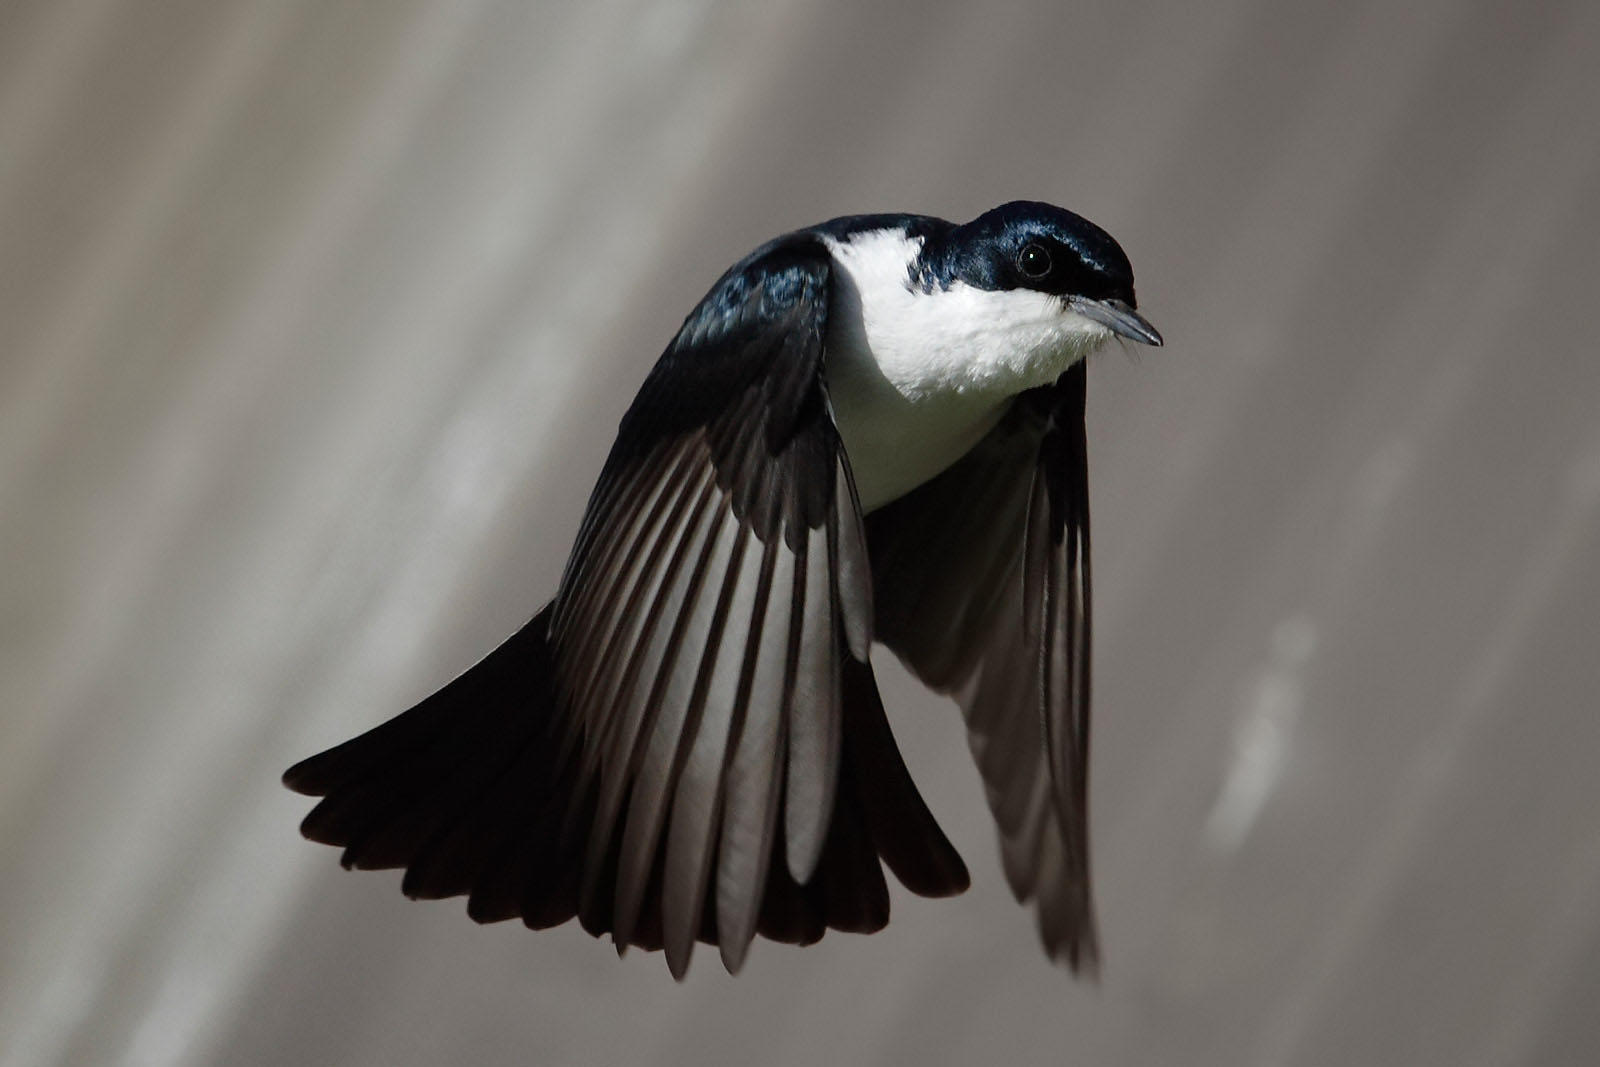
(918, 378)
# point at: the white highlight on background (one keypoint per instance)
(1262, 735)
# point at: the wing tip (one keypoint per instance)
(303, 777)
(1079, 952)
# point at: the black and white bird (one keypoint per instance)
(868, 430)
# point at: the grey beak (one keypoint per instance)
(1118, 317)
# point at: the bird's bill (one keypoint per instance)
(1118, 317)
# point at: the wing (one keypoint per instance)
(711, 635)
(720, 574)
(982, 588)
(698, 698)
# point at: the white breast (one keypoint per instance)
(917, 378)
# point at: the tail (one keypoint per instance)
(474, 793)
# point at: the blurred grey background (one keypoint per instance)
(316, 319)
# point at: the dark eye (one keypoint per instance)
(1034, 260)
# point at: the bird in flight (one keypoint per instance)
(868, 430)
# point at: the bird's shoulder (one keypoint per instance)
(817, 242)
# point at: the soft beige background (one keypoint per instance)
(315, 321)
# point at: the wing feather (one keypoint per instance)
(813, 714)
(754, 778)
(617, 564)
(674, 711)
(619, 737)
(697, 800)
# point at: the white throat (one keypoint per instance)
(917, 378)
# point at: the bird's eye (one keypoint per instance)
(1034, 260)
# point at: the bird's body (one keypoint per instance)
(870, 428)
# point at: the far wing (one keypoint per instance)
(982, 587)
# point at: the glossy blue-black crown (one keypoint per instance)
(1027, 245)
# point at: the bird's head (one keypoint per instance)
(1027, 245)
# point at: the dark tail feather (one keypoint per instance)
(470, 792)
(462, 790)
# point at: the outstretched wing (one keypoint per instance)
(719, 578)
(982, 586)
(698, 698)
